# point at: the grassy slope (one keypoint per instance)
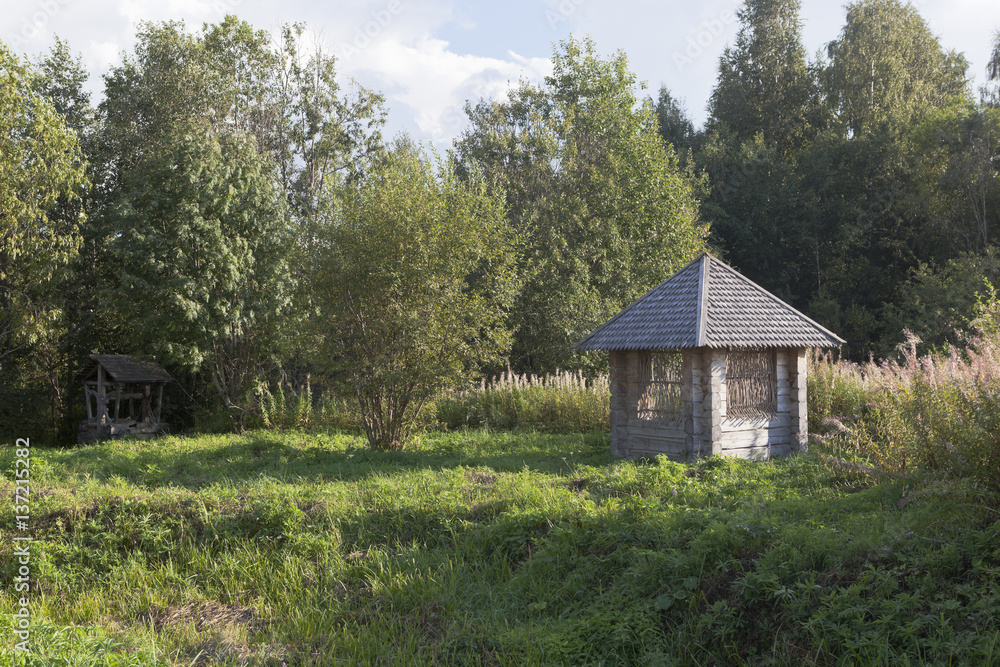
(482, 548)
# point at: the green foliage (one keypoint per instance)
(510, 549)
(201, 255)
(40, 162)
(673, 122)
(888, 66)
(757, 213)
(836, 393)
(602, 206)
(939, 305)
(961, 191)
(764, 86)
(224, 139)
(412, 277)
(993, 67)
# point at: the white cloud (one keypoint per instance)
(435, 81)
(102, 55)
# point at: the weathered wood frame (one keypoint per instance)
(102, 421)
(706, 429)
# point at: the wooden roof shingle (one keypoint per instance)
(123, 368)
(708, 304)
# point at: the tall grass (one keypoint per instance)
(563, 402)
(938, 412)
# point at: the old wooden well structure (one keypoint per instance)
(124, 397)
(708, 362)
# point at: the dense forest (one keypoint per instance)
(228, 209)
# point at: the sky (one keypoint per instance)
(429, 56)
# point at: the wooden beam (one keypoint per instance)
(102, 403)
(159, 404)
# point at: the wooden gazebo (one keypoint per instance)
(124, 397)
(708, 362)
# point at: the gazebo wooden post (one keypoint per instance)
(102, 406)
(694, 396)
(800, 417)
(159, 404)
(122, 377)
(716, 400)
(618, 369)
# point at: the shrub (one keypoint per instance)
(939, 412)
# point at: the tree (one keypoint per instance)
(993, 67)
(60, 80)
(757, 213)
(201, 253)
(40, 162)
(280, 120)
(960, 189)
(764, 111)
(990, 92)
(285, 98)
(602, 206)
(42, 175)
(412, 277)
(764, 83)
(938, 304)
(887, 66)
(673, 122)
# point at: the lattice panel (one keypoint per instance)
(751, 384)
(661, 387)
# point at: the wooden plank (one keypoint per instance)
(694, 424)
(619, 416)
(656, 445)
(750, 453)
(799, 412)
(738, 425)
(716, 400)
(102, 402)
(632, 384)
(762, 437)
(651, 431)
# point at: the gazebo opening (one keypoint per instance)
(752, 384)
(661, 395)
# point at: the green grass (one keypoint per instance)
(475, 547)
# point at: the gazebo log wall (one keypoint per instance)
(704, 427)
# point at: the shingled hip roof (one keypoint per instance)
(123, 368)
(708, 304)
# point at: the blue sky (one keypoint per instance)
(429, 56)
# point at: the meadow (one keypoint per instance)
(482, 546)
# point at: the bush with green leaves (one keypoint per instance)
(412, 276)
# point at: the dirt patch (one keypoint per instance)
(355, 556)
(481, 478)
(206, 615)
(313, 508)
(63, 520)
